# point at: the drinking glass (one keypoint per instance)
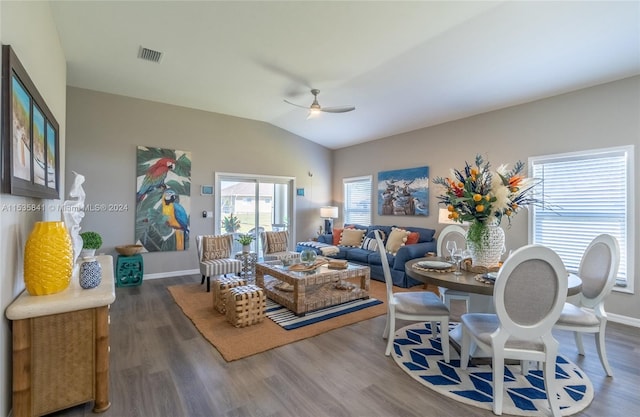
(457, 256)
(451, 247)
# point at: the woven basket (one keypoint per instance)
(128, 250)
(246, 305)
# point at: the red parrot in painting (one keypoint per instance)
(155, 176)
(177, 217)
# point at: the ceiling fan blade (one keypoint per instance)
(297, 105)
(342, 109)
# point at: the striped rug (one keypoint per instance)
(289, 321)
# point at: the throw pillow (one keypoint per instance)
(369, 244)
(337, 234)
(412, 239)
(352, 238)
(277, 241)
(371, 235)
(397, 239)
(216, 247)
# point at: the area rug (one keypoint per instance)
(287, 319)
(236, 343)
(421, 357)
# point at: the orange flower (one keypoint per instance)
(479, 208)
(450, 207)
(477, 197)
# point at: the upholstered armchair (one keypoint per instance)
(214, 256)
(275, 246)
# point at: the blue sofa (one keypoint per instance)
(426, 243)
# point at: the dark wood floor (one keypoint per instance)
(161, 366)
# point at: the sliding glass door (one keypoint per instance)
(250, 205)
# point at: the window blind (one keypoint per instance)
(357, 200)
(583, 195)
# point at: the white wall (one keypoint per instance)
(596, 117)
(28, 27)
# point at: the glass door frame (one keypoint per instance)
(257, 180)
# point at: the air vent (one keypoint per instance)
(149, 54)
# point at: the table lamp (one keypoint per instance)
(328, 214)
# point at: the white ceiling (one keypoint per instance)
(404, 65)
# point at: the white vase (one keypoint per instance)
(246, 248)
(490, 249)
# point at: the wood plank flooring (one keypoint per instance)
(161, 366)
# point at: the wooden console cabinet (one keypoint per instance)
(61, 347)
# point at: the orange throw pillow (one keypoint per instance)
(412, 239)
(337, 234)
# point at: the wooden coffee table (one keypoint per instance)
(302, 292)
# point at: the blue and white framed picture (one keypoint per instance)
(300, 192)
(404, 192)
(206, 190)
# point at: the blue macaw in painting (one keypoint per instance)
(155, 176)
(177, 217)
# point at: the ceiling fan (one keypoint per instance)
(315, 107)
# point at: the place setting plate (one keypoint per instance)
(440, 266)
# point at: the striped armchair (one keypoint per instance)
(275, 246)
(214, 256)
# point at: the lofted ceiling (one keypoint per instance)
(404, 65)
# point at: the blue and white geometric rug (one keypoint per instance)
(289, 321)
(421, 357)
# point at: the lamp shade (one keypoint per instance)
(329, 212)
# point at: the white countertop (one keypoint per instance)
(73, 298)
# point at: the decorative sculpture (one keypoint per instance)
(73, 212)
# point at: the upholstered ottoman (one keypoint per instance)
(221, 287)
(245, 305)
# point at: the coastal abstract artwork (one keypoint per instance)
(163, 199)
(30, 162)
(404, 192)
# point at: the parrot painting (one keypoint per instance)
(155, 176)
(176, 217)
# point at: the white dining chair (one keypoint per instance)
(529, 293)
(414, 306)
(457, 234)
(598, 271)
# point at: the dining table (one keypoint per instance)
(480, 291)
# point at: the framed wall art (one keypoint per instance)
(30, 142)
(163, 199)
(404, 192)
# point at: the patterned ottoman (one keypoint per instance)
(221, 287)
(245, 305)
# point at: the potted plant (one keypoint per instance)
(231, 223)
(245, 240)
(90, 242)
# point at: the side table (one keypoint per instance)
(61, 347)
(249, 260)
(129, 270)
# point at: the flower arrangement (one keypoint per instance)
(482, 197)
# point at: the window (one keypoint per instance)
(357, 200)
(585, 194)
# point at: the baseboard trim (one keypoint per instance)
(171, 274)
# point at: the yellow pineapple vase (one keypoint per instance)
(48, 259)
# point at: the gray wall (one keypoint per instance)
(104, 130)
(597, 117)
(28, 27)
